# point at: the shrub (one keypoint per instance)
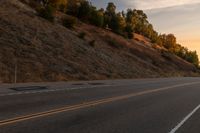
(84, 10)
(130, 35)
(62, 8)
(114, 43)
(137, 39)
(32, 3)
(70, 22)
(97, 18)
(167, 55)
(92, 43)
(47, 12)
(82, 35)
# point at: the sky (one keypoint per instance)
(180, 17)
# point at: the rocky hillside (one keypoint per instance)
(45, 51)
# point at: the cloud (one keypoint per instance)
(176, 18)
(183, 21)
(152, 4)
(143, 4)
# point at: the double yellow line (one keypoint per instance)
(85, 105)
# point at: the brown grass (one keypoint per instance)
(50, 52)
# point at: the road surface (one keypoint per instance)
(168, 105)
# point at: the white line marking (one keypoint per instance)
(185, 119)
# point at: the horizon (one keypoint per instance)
(177, 17)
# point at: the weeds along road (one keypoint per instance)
(165, 105)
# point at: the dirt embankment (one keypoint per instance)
(45, 51)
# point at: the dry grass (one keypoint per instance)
(50, 52)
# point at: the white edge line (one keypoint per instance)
(185, 119)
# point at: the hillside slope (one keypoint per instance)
(44, 51)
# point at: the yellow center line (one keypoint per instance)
(85, 105)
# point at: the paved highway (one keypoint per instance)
(168, 105)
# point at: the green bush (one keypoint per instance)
(70, 22)
(113, 43)
(84, 10)
(47, 12)
(97, 18)
(130, 35)
(82, 35)
(92, 43)
(62, 8)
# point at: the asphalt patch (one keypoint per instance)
(29, 88)
(96, 83)
(88, 84)
(78, 84)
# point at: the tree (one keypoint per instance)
(55, 3)
(97, 17)
(111, 8)
(114, 21)
(170, 42)
(73, 7)
(110, 15)
(154, 36)
(141, 23)
(136, 21)
(121, 21)
(58, 2)
(131, 20)
(84, 10)
(192, 57)
(117, 23)
(47, 12)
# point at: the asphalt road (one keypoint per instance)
(169, 105)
